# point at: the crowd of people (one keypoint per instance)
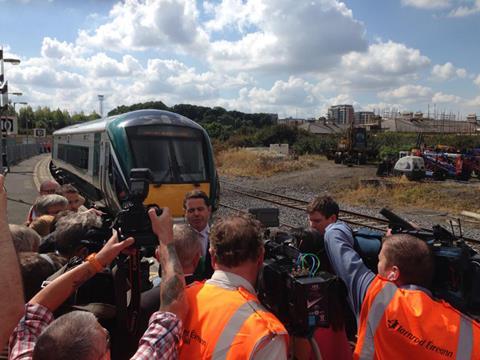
(204, 303)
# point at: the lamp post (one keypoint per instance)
(4, 95)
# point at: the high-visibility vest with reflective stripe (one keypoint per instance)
(225, 324)
(400, 323)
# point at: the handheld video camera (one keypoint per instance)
(290, 284)
(133, 220)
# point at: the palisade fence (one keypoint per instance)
(18, 152)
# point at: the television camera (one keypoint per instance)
(291, 284)
(133, 220)
(457, 265)
(301, 296)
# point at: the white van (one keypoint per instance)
(413, 167)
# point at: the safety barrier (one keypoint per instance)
(19, 152)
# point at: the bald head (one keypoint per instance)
(49, 187)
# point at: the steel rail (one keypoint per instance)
(350, 217)
(290, 226)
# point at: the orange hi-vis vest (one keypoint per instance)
(225, 324)
(398, 323)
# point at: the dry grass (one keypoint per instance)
(259, 164)
(447, 196)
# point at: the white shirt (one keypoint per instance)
(268, 347)
(204, 239)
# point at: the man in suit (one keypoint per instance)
(197, 214)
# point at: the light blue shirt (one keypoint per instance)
(347, 263)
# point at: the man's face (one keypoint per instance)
(319, 222)
(55, 209)
(197, 213)
(74, 201)
(384, 269)
(103, 343)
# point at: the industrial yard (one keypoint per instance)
(358, 188)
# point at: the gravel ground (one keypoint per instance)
(307, 184)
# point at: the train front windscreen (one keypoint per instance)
(174, 154)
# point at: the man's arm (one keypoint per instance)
(172, 295)
(12, 300)
(347, 263)
(55, 293)
(165, 329)
(38, 314)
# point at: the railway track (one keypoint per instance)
(353, 218)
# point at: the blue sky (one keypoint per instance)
(291, 57)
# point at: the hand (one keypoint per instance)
(112, 248)
(162, 226)
(95, 211)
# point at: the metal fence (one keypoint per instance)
(19, 152)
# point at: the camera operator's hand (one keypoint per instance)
(95, 211)
(112, 248)
(162, 226)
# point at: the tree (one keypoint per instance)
(25, 114)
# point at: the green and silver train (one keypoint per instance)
(97, 157)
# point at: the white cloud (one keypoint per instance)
(52, 48)
(384, 65)
(448, 71)
(287, 36)
(463, 11)
(293, 97)
(100, 65)
(46, 77)
(388, 58)
(427, 4)
(475, 102)
(440, 97)
(139, 25)
(477, 80)
(406, 93)
(181, 83)
(233, 13)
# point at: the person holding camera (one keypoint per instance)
(397, 316)
(332, 341)
(78, 333)
(11, 301)
(226, 319)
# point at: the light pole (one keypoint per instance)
(4, 95)
(100, 100)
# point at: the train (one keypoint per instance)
(98, 156)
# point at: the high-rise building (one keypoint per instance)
(341, 114)
(364, 117)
